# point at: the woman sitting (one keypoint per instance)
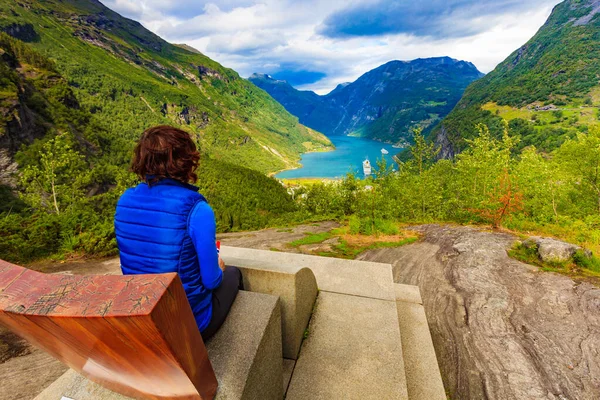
(164, 225)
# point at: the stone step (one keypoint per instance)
(360, 278)
(423, 377)
(353, 351)
(288, 370)
(246, 352)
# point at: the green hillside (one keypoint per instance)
(78, 85)
(548, 89)
(131, 79)
(72, 169)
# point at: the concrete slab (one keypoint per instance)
(408, 293)
(246, 352)
(75, 386)
(297, 292)
(288, 370)
(353, 351)
(423, 378)
(360, 278)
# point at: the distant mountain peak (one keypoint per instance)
(384, 103)
(266, 77)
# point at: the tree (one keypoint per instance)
(482, 164)
(581, 157)
(545, 185)
(503, 201)
(423, 152)
(57, 180)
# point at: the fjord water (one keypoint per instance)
(348, 156)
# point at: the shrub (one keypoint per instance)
(586, 261)
(369, 226)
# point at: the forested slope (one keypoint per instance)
(130, 79)
(548, 89)
(78, 85)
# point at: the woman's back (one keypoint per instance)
(152, 228)
(165, 225)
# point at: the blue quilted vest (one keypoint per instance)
(151, 224)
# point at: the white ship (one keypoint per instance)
(367, 167)
(384, 151)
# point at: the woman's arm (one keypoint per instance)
(203, 231)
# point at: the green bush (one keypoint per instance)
(354, 224)
(589, 262)
(367, 226)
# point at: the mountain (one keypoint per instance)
(383, 104)
(548, 89)
(78, 85)
(129, 79)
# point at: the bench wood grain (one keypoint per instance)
(135, 335)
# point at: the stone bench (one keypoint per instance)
(119, 332)
(296, 288)
(353, 349)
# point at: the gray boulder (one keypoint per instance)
(553, 250)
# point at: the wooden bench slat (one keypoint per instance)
(135, 335)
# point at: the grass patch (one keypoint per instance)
(351, 242)
(586, 115)
(591, 264)
(293, 182)
(368, 226)
(350, 250)
(581, 266)
(311, 238)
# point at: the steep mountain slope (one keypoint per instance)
(34, 100)
(548, 89)
(382, 104)
(130, 79)
(78, 84)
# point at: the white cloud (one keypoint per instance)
(270, 36)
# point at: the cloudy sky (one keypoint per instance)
(317, 44)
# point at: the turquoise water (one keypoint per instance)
(348, 156)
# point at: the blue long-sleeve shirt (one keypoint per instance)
(202, 228)
(169, 227)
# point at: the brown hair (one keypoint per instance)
(165, 152)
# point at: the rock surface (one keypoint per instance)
(502, 329)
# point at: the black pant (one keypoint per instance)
(222, 299)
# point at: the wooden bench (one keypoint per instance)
(118, 331)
